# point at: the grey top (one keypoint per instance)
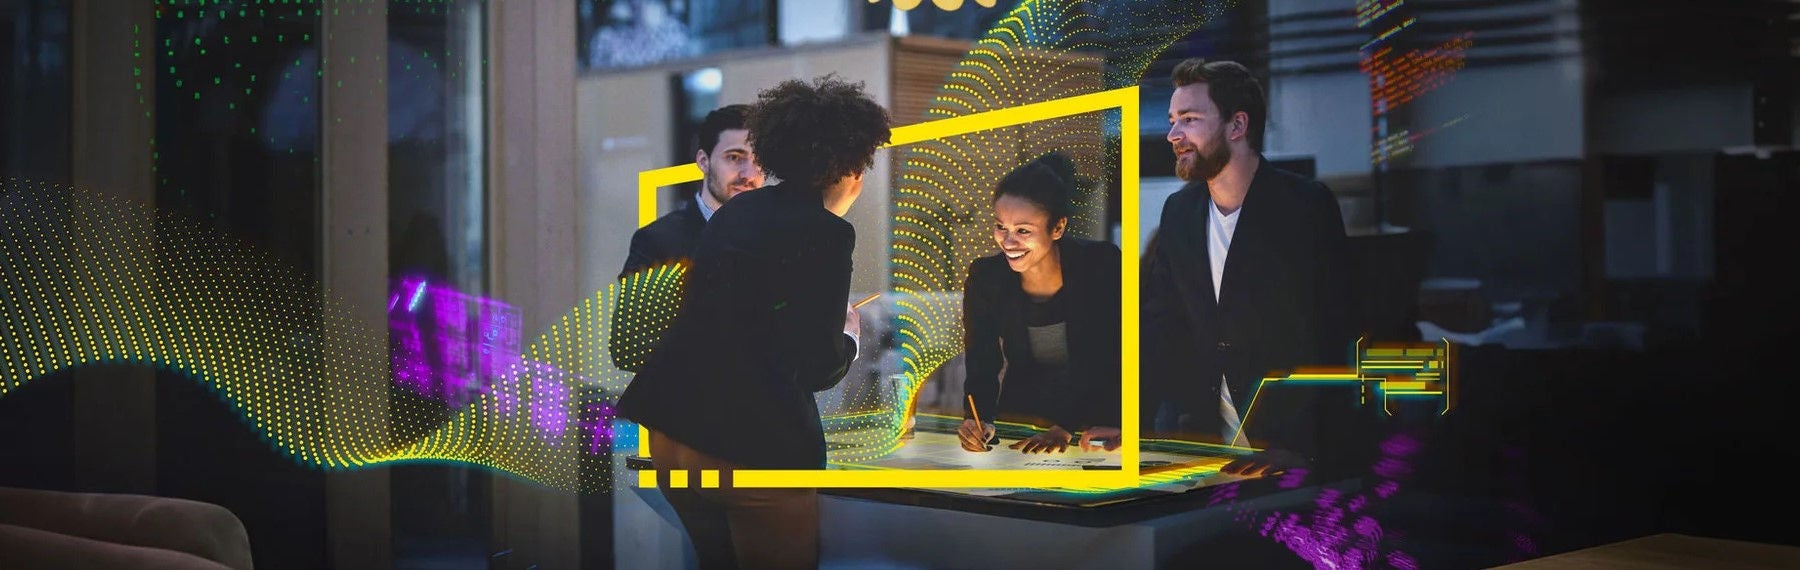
(1048, 331)
(1050, 346)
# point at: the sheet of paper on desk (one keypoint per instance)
(1180, 469)
(942, 451)
(921, 463)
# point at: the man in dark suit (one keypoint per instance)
(764, 324)
(1243, 278)
(728, 168)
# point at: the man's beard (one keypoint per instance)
(1203, 166)
(718, 190)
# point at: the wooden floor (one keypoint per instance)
(1670, 551)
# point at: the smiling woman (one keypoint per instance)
(1041, 319)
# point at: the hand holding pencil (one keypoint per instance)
(853, 319)
(974, 434)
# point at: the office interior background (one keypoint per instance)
(1592, 201)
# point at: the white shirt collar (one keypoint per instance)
(705, 212)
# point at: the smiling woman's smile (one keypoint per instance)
(1023, 231)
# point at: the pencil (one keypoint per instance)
(977, 414)
(865, 301)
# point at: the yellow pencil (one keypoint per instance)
(973, 411)
(977, 414)
(865, 301)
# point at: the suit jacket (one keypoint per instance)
(668, 239)
(760, 330)
(994, 333)
(1281, 305)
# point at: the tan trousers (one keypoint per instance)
(738, 528)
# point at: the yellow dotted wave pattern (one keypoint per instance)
(88, 278)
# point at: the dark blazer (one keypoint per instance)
(668, 239)
(1281, 306)
(760, 330)
(994, 334)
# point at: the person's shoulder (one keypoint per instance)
(813, 216)
(1092, 260)
(792, 219)
(1307, 197)
(1090, 251)
(759, 195)
(820, 223)
(670, 224)
(1188, 194)
(1298, 186)
(985, 270)
(1094, 247)
(742, 203)
(833, 221)
(768, 204)
(748, 213)
(836, 234)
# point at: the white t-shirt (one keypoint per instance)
(1220, 228)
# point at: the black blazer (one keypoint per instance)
(760, 329)
(994, 334)
(1281, 306)
(668, 239)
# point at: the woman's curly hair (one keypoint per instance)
(816, 134)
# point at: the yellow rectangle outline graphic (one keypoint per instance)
(1125, 99)
(1404, 385)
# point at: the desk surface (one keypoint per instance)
(1167, 466)
(1670, 551)
(1170, 468)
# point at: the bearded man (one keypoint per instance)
(1243, 280)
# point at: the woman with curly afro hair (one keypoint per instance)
(764, 324)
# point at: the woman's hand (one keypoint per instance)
(1107, 438)
(1053, 440)
(973, 436)
(852, 321)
